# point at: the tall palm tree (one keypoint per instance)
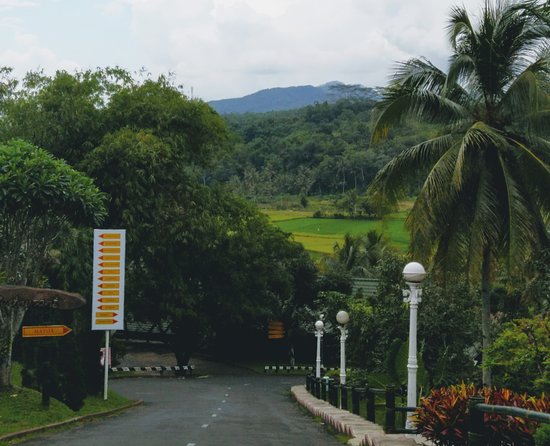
(486, 193)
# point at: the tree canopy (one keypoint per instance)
(198, 258)
(40, 196)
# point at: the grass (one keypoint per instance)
(283, 215)
(320, 234)
(21, 409)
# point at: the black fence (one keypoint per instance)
(365, 402)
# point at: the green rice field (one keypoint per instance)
(319, 235)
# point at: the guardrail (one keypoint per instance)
(160, 368)
(290, 368)
(476, 428)
(337, 395)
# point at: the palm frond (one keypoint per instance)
(485, 221)
(430, 212)
(460, 27)
(536, 174)
(424, 106)
(415, 91)
(522, 97)
(391, 181)
(521, 226)
(478, 138)
(461, 72)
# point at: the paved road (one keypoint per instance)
(229, 407)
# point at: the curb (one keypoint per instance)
(363, 432)
(47, 427)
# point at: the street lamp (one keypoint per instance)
(414, 274)
(342, 318)
(318, 334)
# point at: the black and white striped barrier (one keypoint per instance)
(185, 368)
(288, 368)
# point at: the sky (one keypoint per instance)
(218, 49)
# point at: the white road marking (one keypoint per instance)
(190, 444)
(227, 394)
(204, 425)
(223, 401)
(214, 415)
(219, 408)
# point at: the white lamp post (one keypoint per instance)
(414, 274)
(318, 334)
(342, 318)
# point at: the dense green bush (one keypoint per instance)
(520, 355)
(542, 436)
(448, 328)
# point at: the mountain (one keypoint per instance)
(288, 98)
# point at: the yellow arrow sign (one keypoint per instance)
(39, 331)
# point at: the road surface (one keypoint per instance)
(226, 407)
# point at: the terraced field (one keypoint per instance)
(319, 235)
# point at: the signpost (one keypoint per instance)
(108, 285)
(40, 331)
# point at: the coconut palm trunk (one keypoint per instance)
(486, 314)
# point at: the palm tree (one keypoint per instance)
(486, 191)
(358, 254)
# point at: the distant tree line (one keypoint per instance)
(317, 150)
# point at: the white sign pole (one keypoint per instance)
(106, 363)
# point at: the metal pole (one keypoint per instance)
(319, 335)
(413, 298)
(343, 337)
(106, 363)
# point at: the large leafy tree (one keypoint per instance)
(485, 194)
(199, 258)
(40, 196)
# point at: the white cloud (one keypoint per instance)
(226, 48)
(28, 55)
(14, 4)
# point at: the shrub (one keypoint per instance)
(520, 354)
(358, 378)
(542, 436)
(318, 214)
(443, 416)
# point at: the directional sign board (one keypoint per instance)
(40, 331)
(108, 279)
(276, 330)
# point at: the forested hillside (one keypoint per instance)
(321, 149)
(290, 98)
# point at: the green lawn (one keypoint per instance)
(20, 408)
(320, 234)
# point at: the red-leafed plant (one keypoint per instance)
(443, 416)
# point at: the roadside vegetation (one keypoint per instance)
(234, 222)
(21, 407)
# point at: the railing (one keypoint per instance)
(338, 396)
(477, 431)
